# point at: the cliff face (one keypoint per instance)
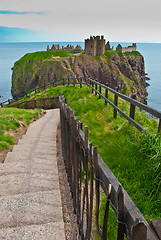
(125, 71)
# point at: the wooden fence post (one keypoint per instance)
(68, 146)
(120, 214)
(105, 222)
(92, 88)
(81, 125)
(115, 102)
(91, 192)
(96, 89)
(106, 94)
(86, 178)
(99, 90)
(80, 82)
(159, 126)
(132, 107)
(97, 184)
(156, 226)
(139, 231)
(79, 169)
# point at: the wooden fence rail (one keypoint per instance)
(86, 174)
(93, 84)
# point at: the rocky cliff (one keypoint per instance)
(123, 70)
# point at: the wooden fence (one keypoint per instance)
(87, 172)
(79, 154)
(97, 89)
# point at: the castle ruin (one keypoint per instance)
(95, 45)
(126, 49)
(69, 48)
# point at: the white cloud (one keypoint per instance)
(125, 20)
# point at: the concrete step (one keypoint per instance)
(42, 143)
(37, 165)
(11, 184)
(24, 156)
(34, 147)
(30, 208)
(34, 150)
(50, 231)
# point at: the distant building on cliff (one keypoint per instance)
(70, 48)
(126, 49)
(95, 45)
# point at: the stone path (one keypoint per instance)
(30, 202)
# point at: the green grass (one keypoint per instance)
(135, 53)
(108, 53)
(133, 157)
(11, 119)
(42, 55)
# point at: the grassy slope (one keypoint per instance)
(10, 119)
(132, 156)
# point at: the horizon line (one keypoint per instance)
(74, 42)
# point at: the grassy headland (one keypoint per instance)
(43, 55)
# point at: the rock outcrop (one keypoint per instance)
(123, 70)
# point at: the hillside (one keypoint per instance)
(132, 156)
(123, 70)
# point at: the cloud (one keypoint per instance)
(124, 20)
(8, 12)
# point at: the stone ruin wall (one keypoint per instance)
(95, 45)
(129, 48)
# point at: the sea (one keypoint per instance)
(11, 52)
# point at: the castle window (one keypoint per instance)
(91, 46)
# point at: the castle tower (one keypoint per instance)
(90, 46)
(95, 45)
(100, 45)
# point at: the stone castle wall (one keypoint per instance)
(129, 48)
(95, 45)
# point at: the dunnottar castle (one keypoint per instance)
(93, 46)
(96, 46)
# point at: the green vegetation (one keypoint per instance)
(135, 53)
(108, 53)
(121, 146)
(133, 157)
(43, 55)
(10, 120)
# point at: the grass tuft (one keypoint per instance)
(11, 119)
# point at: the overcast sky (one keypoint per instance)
(72, 20)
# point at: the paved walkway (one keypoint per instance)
(30, 202)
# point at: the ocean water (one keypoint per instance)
(11, 52)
